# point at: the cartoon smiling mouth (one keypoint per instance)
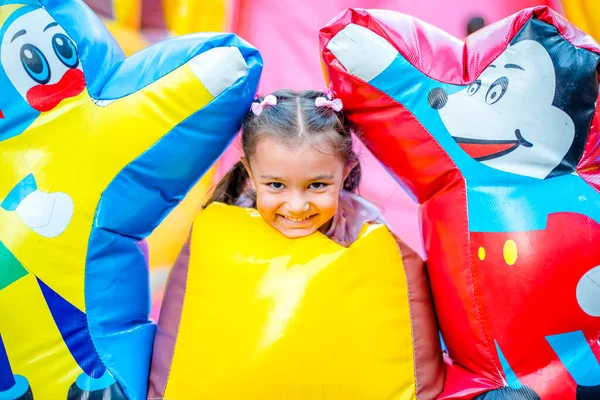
(483, 150)
(46, 97)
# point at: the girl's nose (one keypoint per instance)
(297, 204)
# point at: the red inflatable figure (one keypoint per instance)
(498, 138)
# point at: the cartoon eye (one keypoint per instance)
(35, 63)
(474, 87)
(65, 50)
(496, 91)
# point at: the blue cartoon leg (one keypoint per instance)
(95, 382)
(576, 355)
(12, 387)
(515, 390)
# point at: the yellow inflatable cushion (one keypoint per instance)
(267, 317)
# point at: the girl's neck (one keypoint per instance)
(325, 227)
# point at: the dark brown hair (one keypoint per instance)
(294, 119)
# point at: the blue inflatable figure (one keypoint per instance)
(95, 150)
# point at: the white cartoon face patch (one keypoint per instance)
(41, 60)
(506, 119)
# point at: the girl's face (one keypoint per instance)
(297, 188)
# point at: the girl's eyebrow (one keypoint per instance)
(323, 177)
(316, 178)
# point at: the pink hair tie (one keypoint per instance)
(269, 100)
(335, 104)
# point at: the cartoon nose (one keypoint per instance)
(437, 98)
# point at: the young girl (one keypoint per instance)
(299, 168)
(257, 306)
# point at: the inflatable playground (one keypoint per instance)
(124, 275)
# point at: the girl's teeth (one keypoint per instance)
(295, 219)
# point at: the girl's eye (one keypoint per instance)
(318, 185)
(276, 185)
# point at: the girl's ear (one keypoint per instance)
(246, 164)
(348, 168)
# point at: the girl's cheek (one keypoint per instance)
(266, 202)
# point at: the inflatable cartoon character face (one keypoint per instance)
(41, 60)
(505, 119)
